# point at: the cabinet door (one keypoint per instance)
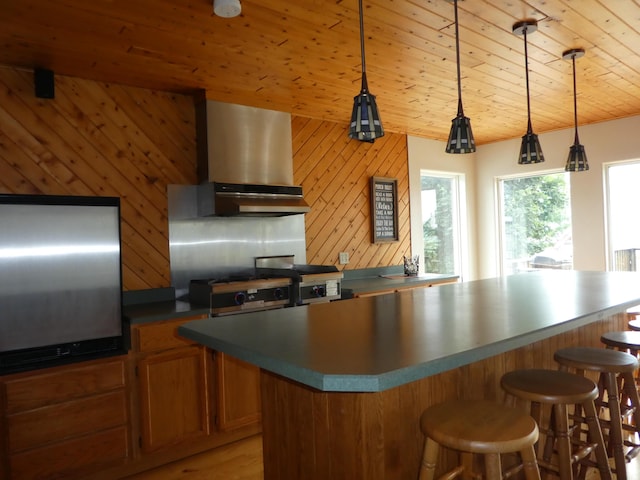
(238, 391)
(174, 387)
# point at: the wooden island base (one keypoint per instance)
(314, 435)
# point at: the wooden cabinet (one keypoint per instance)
(174, 397)
(174, 386)
(186, 391)
(238, 393)
(67, 421)
(109, 418)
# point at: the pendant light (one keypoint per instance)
(577, 160)
(530, 150)
(460, 138)
(365, 119)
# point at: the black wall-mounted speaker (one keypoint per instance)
(44, 83)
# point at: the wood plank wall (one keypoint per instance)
(334, 172)
(101, 139)
(111, 140)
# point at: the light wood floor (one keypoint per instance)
(243, 461)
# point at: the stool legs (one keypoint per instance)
(591, 417)
(481, 428)
(608, 382)
(563, 442)
(466, 460)
(562, 439)
(429, 459)
(609, 385)
(493, 464)
(615, 425)
(563, 405)
(630, 393)
(530, 464)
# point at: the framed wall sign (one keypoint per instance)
(384, 209)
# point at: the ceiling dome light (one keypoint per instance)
(227, 8)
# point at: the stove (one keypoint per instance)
(310, 283)
(229, 296)
(276, 282)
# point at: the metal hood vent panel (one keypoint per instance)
(245, 161)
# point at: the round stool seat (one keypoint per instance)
(596, 359)
(549, 386)
(479, 427)
(624, 340)
(634, 325)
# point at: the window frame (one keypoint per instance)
(461, 235)
(499, 203)
(608, 237)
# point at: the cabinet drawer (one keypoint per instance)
(72, 459)
(62, 421)
(161, 335)
(63, 384)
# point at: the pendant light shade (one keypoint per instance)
(530, 150)
(577, 160)
(365, 119)
(461, 137)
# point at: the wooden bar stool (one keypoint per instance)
(633, 312)
(563, 452)
(479, 427)
(624, 341)
(612, 366)
(629, 342)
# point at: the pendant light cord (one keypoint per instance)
(460, 112)
(575, 100)
(526, 70)
(364, 74)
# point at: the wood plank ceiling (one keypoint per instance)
(303, 56)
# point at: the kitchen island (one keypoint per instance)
(343, 384)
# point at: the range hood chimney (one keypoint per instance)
(245, 161)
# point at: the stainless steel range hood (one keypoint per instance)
(245, 162)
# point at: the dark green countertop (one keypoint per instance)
(153, 305)
(375, 343)
(392, 281)
(163, 310)
(143, 306)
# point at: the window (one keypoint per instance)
(623, 229)
(441, 227)
(535, 223)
